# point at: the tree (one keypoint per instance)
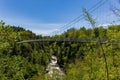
(92, 21)
(116, 10)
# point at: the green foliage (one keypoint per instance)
(12, 68)
(79, 61)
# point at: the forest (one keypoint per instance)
(78, 60)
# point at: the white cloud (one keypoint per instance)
(103, 18)
(38, 28)
(43, 32)
(47, 28)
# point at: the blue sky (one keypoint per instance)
(46, 16)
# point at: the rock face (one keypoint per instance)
(53, 68)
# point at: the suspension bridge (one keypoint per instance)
(81, 40)
(60, 40)
(67, 26)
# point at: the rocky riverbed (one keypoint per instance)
(53, 69)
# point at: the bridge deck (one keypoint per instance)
(82, 40)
